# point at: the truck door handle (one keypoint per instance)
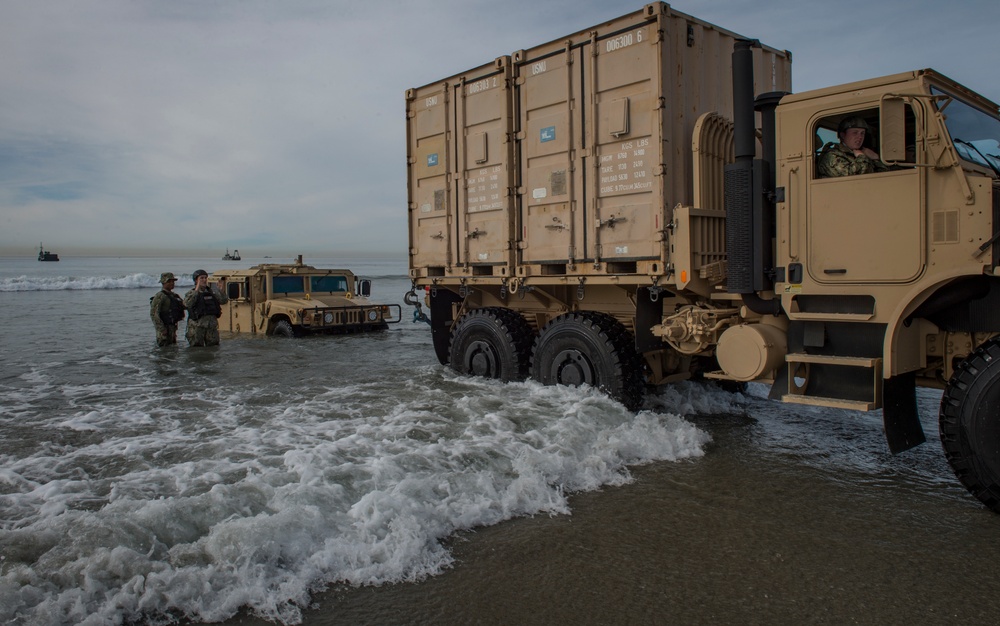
(841, 271)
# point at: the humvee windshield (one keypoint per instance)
(287, 284)
(328, 283)
(976, 134)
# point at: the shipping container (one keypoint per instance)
(568, 158)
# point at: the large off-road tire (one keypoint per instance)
(589, 348)
(970, 423)
(283, 329)
(492, 342)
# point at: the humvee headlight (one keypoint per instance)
(328, 317)
(372, 315)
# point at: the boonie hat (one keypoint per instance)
(198, 273)
(166, 277)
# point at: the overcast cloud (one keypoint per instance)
(278, 126)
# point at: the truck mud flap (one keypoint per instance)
(899, 413)
(441, 322)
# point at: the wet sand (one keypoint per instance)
(747, 534)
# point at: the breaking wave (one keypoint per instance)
(82, 283)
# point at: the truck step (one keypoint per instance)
(802, 367)
(849, 361)
(839, 403)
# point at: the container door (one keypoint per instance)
(549, 95)
(485, 171)
(623, 130)
(427, 168)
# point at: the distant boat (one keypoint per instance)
(235, 256)
(45, 255)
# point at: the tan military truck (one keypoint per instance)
(294, 299)
(639, 202)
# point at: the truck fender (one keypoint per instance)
(900, 417)
(899, 324)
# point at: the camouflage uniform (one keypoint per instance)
(166, 309)
(837, 160)
(203, 328)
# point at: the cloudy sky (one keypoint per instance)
(277, 126)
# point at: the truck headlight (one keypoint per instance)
(372, 315)
(328, 317)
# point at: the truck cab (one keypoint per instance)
(894, 268)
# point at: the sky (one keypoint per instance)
(278, 126)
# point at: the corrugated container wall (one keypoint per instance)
(569, 158)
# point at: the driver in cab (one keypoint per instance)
(850, 156)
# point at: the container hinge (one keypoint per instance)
(580, 292)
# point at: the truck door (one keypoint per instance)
(237, 315)
(864, 228)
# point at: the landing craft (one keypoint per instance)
(45, 255)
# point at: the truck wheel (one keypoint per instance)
(283, 329)
(491, 342)
(589, 348)
(970, 423)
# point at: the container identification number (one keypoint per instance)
(623, 41)
(480, 86)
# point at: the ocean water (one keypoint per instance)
(354, 480)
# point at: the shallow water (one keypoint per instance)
(238, 482)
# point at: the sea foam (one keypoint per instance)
(220, 501)
(83, 283)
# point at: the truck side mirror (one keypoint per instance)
(892, 128)
(365, 287)
(233, 290)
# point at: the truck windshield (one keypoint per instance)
(287, 284)
(976, 133)
(328, 283)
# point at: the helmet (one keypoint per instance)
(166, 277)
(198, 273)
(854, 121)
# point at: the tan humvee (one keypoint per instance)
(640, 202)
(293, 299)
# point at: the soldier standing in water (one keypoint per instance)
(166, 309)
(204, 304)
